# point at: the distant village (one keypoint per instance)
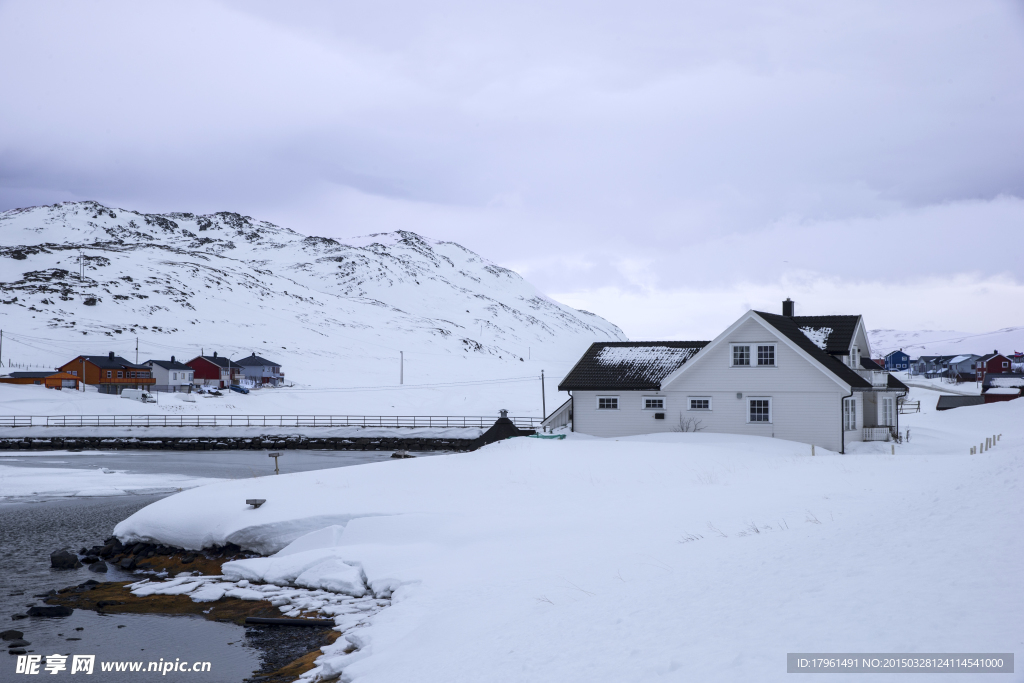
(112, 374)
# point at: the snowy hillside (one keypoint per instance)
(946, 342)
(332, 314)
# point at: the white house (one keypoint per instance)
(170, 375)
(801, 378)
(260, 370)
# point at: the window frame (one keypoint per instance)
(753, 354)
(110, 374)
(691, 399)
(598, 400)
(771, 410)
(774, 354)
(645, 399)
(850, 416)
(732, 355)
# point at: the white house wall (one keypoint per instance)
(806, 402)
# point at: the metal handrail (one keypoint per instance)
(410, 421)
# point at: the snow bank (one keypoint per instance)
(686, 556)
(22, 482)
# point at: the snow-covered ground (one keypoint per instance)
(55, 482)
(946, 342)
(678, 556)
(939, 385)
(338, 318)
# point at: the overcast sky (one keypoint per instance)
(663, 164)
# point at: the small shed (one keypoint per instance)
(1001, 394)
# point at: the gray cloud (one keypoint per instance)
(647, 146)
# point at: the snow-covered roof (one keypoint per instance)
(1004, 392)
(960, 359)
(997, 381)
(628, 365)
(818, 335)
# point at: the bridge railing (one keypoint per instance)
(316, 421)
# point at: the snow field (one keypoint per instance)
(40, 482)
(677, 556)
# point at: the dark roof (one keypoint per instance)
(115, 363)
(639, 366)
(255, 360)
(219, 361)
(790, 327)
(840, 338)
(33, 374)
(898, 351)
(989, 356)
(947, 402)
(869, 364)
(169, 364)
(896, 384)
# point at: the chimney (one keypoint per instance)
(214, 354)
(110, 355)
(172, 359)
(787, 307)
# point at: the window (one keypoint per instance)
(75, 373)
(175, 375)
(607, 402)
(654, 403)
(740, 355)
(759, 410)
(108, 374)
(766, 354)
(699, 404)
(120, 374)
(1006, 364)
(887, 417)
(850, 414)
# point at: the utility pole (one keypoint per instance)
(1, 348)
(401, 367)
(543, 398)
(136, 350)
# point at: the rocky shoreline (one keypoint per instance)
(285, 651)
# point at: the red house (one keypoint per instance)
(215, 370)
(994, 363)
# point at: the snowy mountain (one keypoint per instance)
(332, 314)
(946, 342)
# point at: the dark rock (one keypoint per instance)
(100, 567)
(20, 642)
(121, 626)
(127, 563)
(64, 559)
(83, 551)
(50, 611)
(108, 603)
(16, 617)
(16, 651)
(90, 583)
(138, 548)
(72, 639)
(188, 558)
(79, 628)
(11, 635)
(89, 559)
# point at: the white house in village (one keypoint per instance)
(170, 375)
(801, 378)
